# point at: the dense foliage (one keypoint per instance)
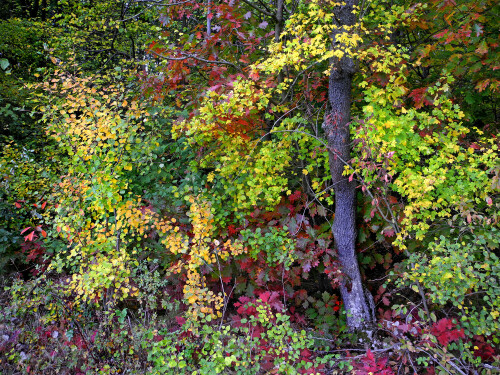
(249, 187)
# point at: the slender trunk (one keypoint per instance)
(209, 19)
(44, 10)
(278, 29)
(34, 9)
(336, 126)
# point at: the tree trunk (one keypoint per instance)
(358, 305)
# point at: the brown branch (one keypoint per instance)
(194, 57)
(263, 11)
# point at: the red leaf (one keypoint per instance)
(393, 199)
(484, 350)
(418, 96)
(25, 229)
(254, 75)
(306, 353)
(441, 34)
(180, 320)
(388, 231)
(43, 205)
(244, 59)
(446, 332)
(265, 296)
(18, 205)
(295, 196)
(475, 146)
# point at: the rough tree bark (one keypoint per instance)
(357, 302)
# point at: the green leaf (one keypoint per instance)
(4, 64)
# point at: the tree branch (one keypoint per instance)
(189, 56)
(263, 11)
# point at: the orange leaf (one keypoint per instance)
(482, 85)
(44, 233)
(30, 236)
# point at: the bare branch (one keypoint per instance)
(194, 57)
(263, 11)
